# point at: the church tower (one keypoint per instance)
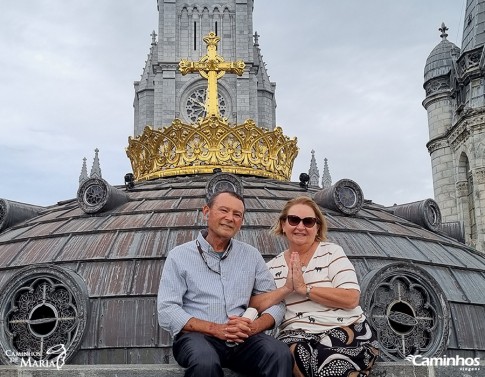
(163, 93)
(454, 82)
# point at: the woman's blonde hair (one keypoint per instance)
(305, 200)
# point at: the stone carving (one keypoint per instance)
(459, 135)
(461, 188)
(469, 61)
(436, 85)
(42, 307)
(480, 175)
(435, 145)
(408, 310)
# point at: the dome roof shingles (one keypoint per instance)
(440, 60)
(120, 254)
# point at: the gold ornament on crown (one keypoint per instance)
(211, 143)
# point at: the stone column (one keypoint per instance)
(479, 192)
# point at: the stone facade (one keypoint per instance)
(163, 94)
(455, 102)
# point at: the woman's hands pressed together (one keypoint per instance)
(294, 283)
(296, 271)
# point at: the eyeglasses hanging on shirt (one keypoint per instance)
(201, 252)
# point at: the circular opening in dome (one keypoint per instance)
(224, 186)
(432, 215)
(401, 317)
(94, 195)
(347, 196)
(43, 320)
(223, 182)
(408, 310)
(43, 306)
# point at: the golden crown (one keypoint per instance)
(212, 143)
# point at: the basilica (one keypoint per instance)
(84, 272)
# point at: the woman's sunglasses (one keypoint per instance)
(308, 222)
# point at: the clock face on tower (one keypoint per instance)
(195, 104)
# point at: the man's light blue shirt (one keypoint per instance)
(189, 288)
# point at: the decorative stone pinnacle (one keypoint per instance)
(256, 38)
(154, 37)
(326, 177)
(84, 173)
(313, 172)
(96, 168)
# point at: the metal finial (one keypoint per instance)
(443, 30)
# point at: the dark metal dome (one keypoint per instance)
(100, 269)
(439, 62)
(439, 65)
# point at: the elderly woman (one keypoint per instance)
(324, 325)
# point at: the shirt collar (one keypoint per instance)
(206, 246)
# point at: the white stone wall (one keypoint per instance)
(444, 182)
(266, 109)
(439, 108)
(145, 110)
(440, 115)
(470, 150)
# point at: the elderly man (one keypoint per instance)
(205, 288)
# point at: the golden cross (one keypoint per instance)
(211, 67)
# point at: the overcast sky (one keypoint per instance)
(349, 78)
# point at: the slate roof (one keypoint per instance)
(119, 254)
(440, 61)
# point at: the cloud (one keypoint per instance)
(349, 81)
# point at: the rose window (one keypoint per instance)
(43, 308)
(408, 311)
(195, 106)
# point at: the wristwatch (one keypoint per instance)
(308, 290)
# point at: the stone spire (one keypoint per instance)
(96, 169)
(314, 173)
(145, 89)
(84, 173)
(326, 178)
